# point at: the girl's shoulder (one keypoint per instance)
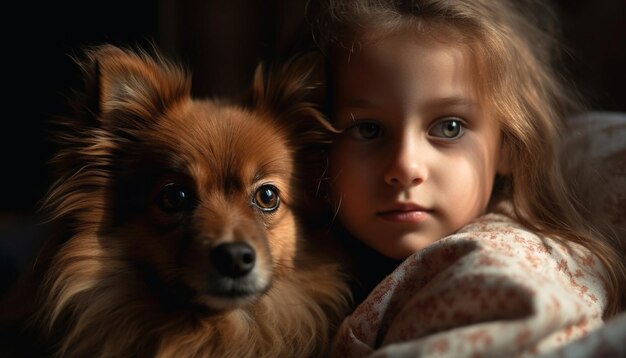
(493, 281)
(498, 234)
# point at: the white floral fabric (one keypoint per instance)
(492, 289)
(496, 289)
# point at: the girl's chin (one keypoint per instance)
(404, 246)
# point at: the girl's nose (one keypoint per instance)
(406, 165)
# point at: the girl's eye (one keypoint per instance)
(447, 129)
(174, 198)
(365, 131)
(266, 198)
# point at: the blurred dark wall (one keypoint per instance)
(595, 36)
(221, 41)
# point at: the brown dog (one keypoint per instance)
(180, 234)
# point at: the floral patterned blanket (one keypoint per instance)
(495, 289)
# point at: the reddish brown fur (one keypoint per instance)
(113, 287)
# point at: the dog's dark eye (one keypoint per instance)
(266, 198)
(174, 198)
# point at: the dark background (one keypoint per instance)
(221, 42)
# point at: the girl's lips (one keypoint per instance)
(408, 215)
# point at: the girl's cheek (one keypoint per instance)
(353, 161)
(340, 153)
(337, 162)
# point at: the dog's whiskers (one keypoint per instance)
(337, 207)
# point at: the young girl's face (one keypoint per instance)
(420, 151)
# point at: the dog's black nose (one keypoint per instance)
(233, 259)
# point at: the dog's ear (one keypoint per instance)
(293, 92)
(128, 88)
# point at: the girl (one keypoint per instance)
(449, 115)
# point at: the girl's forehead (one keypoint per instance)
(400, 58)
(377, 47)
(403, 72)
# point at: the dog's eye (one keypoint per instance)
(174, 198)
(266, 198)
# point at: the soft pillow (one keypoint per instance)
(596, 162)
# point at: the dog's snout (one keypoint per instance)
(233, 259)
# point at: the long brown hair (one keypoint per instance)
(515, 52)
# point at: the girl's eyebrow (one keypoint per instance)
(359, 103)
(453, 101)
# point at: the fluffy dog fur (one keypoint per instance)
(151, 183)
